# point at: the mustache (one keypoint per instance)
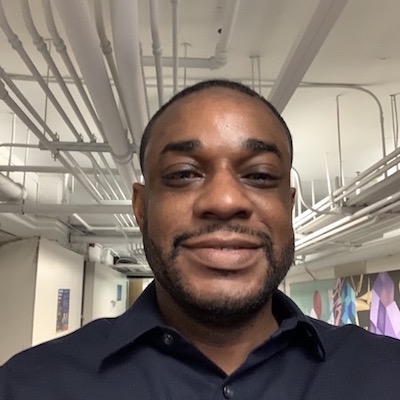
(264, 237)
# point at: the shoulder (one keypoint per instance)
(363, 346)
(79, 346)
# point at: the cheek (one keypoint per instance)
(276, 214)
(166, 215)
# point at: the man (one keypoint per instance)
(215, 213)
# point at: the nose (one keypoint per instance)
(223, 197)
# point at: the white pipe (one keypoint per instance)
(46, 143)
(42, 48)
(109, 240)
(157, 49)
(10, 190)
(62, 50)
(65, 209)
(105, 45)
(175, 44)
(82, 37)
(346, 222)
(18, 46)
(223, 46)
(125, 28)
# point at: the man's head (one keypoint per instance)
(215, 210)
(216, 83)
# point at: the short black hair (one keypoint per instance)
(214, 83)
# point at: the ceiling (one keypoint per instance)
(331, 66)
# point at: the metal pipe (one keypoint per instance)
(106, 47)
(62, 50)
(10, 190)
(42, 48)
(65, 209)
(175, 44)
(75, 16)
(29, 123)
(125, 28)
(17, 45)
(341, 173)
(157, 49)
(223, 46)
(112, 174)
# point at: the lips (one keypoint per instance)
(227, 252)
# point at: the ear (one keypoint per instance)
(293, 194)
(138, 201)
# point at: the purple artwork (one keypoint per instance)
(384, 313)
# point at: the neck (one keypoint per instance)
(227, 347)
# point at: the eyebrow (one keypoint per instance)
(184, 146)
(254, 145)
(261, 146)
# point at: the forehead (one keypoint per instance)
(206, 114)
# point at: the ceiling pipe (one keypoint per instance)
(62, 50)
(93, 228)
(304, 50)
(41, 169)
(10, 190)
(106, 47)
(46, 143)
(175, 44)
(65, 209)
(157, 49)
(223, 46)
(125, 28)
(42, 48)
(109, 240)
(18, 47)
(82, 37)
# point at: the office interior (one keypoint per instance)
(79, 80)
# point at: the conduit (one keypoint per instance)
(17, 45)
(29, 123)
(62, 50)
(223, 46)
(10, 190)
(157, 49)
(42, 48)
(175, 44)
(125, 28)
(105, 45)
(82, 37)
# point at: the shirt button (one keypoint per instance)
(228, 392)
(168, 339)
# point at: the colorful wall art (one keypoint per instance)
(371, 301)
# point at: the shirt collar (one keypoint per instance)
(291, 318)
(141, 317)
(144, 316)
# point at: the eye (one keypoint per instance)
(261, 179)
(181, 177)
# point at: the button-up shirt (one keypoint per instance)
(137, 356)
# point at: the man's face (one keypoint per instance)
(215, 211)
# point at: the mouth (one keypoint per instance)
(227, 253)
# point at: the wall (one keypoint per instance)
(17, 290)
(58, 269)
(100, 299)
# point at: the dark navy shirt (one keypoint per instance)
(138, 357)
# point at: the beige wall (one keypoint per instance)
(57, 268)
(100, 299)
(17, 291)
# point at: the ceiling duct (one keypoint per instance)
(81, 33)
(11, 191)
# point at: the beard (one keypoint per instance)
(218, 311)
